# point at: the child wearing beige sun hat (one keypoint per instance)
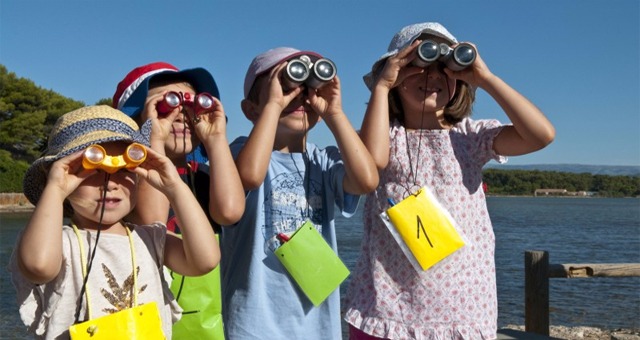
(51, 266)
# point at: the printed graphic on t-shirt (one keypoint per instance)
(287, 206)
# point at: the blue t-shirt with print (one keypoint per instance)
(260, 300)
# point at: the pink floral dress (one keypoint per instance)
(456, 298)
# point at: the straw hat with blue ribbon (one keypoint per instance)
(75, 131)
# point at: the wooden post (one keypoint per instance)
(536, 289)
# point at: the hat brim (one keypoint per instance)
(107, 128)
(200, 78)
(35, 177)
(369, 77)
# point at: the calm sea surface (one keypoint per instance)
(589, 230)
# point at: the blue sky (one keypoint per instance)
(576, 60)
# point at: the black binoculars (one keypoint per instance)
(302, 69)
(455, 59)
(201, 102)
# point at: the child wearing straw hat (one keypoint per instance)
(78, 258)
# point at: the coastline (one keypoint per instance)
(14, 202)
(582, 333)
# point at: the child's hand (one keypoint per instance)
(211, 122)
(67, 173)
(161, 125)
(475, 75)
(271, 90)
(398, 67)
(159, 171)
(326, 100)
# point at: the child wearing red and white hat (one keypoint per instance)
(189, 126)
(182, 134)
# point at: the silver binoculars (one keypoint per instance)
(455, 59)
(301, 70)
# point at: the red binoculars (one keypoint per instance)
(95, 157)
(201, 102)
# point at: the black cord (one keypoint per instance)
(93, 253)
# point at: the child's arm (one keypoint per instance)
(40, 247)
(197, 252)
(361, 174)
(531, 131)
(375, 125)
(153, 206)
(253, 160)
(226, 195)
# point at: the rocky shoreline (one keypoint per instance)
(587, 333)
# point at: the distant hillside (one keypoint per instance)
(610, 170)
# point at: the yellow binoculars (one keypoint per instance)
(95, 157)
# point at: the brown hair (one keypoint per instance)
(458, 108)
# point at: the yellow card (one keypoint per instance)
(425, 227)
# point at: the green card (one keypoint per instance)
(312, 263)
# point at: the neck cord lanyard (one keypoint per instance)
(85, 270)
(305, 178)
(408, 189)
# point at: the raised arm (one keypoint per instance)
(375, 125)
(253, 160)
(531, 130)
(153, 206)
(39, 249)
(197, 252)
(361, 173)
(226, 194)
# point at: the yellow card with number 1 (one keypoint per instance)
(423, 228)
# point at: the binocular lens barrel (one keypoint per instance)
(204, 101)
(324, 70)
(94, 154)
(170, 101)
(136, 153)
(296, 72)
(464, 55)
(428, 52)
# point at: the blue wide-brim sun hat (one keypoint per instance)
(131, 93)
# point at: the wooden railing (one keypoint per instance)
(537, 273)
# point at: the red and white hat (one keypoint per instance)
(131, 92)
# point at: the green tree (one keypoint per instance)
(27, 114)
(104, 101)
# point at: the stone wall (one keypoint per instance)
(13, 201)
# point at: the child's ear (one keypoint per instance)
(250, 109)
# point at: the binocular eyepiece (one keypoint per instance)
(95, 157)
(201, 103)
(313, 74)
(456, 59)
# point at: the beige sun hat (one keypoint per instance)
(75, 131)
